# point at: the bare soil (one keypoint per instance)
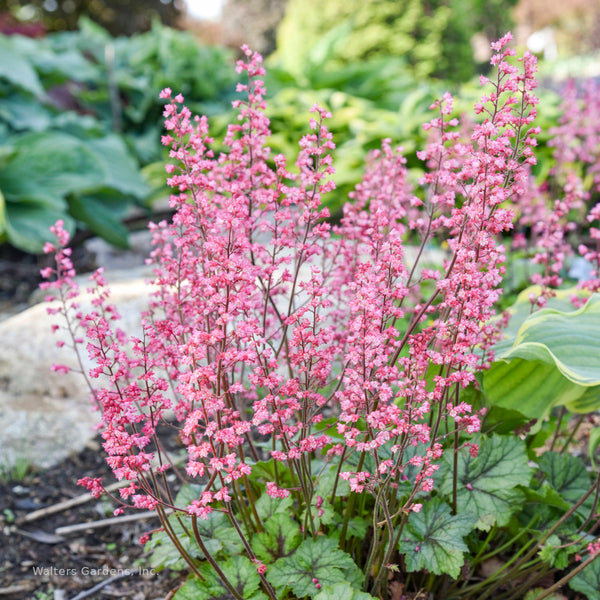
(36, 563)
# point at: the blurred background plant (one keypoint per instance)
(79, 80)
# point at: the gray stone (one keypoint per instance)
(45, 416)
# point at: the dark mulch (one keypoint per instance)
(31, 556)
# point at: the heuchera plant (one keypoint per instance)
(318, 377)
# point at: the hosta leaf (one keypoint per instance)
(553, 359)
(588, 581)
(17, 69)
(102, 213)
(48, 166)
(341, 591)
(240, 572)
(120, 170)
(319, 559)
(487, 484)
(530, 387)
(24, 113)
(28, 224)
(567, 340)
(280, 538)
(520, 311)
(433, 539)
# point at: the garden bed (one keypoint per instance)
(37, 563)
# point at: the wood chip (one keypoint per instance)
(105, 522)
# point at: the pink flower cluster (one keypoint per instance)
(557, 212)
(271, 324)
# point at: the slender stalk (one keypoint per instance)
(482, 585)
(213, 563)
(563, 410)
(337, 475)
(572, 434)
(164, 519)
(455, 474)
(350, 507)
(504, 546)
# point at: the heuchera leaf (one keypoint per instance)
(238, 570)
(319, 559)
(433, 539)
(217, 534)
(280, 538)
(555, 556)
(266, 506)
(566, 474)
(534, 593)
(487, 484)
(588, 581)
(342, 591)
(164, 554)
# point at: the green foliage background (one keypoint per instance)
(433, 37)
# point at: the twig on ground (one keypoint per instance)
(99, 586)
(54, 508)
(105, 522)
(14, 589)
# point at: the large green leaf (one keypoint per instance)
(487, 484)
(47, 167)
(102, 213)
(120, 170)
(433, 539)
(17, 69)
(240, 572)
(58, 59)
(521, 310)
(532, 388)
(28, 224)
(24, 113)
(319, 559)
(549, 358)
(568, 340)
